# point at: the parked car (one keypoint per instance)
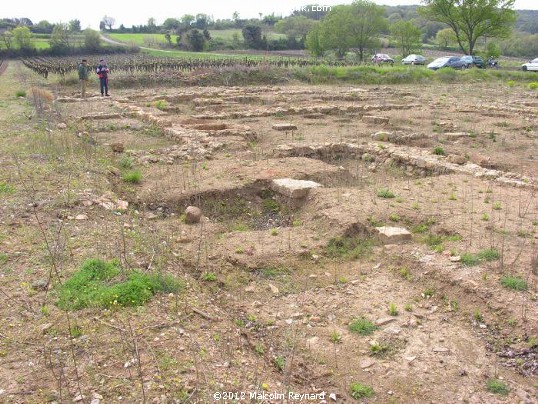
(447, 61)
(382, 58)
(473, 61)
(414, 60)
(530, 65)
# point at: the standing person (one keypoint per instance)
(84, 76)
(102, 71)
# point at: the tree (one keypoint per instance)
(407, 35)
(42, 27)
(196, 40)
(445, 38)
(92, 40)
(202, 21)
(252, 35)
(368, 22)
(152, 25)
(295, 27)
(352, 26)
(22, 37)
(472, 19)
(312, 41)
(74, 26)
(7, 38)
(171, 24)
(334, 32)
(108, 22)
(59, 39)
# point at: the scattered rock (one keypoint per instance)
(295, 189)
(382, 136)
(384, 320)
(210, 126)
(456, 159)
(45, 327)
(40, 284)
(117, 147)
(122, 205)
(365, 364)
(193, 214)
(455, 258)
(61, 125)
(114, 171)
(332, 396)
(284, 126)
(393, 235)
(392, 330)
(410, 358)
(81, 216)
(378, 120)
(274, 289)
(440, 349)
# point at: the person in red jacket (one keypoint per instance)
(102, 71)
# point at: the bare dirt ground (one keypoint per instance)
(271, 286)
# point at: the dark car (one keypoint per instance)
(447, 61)
(473, 61)
(379, 58)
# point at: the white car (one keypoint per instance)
(414, 60)
(531, 65)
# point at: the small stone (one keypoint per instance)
(250, 289)
(117, 147)
(193, 214)
(455, 258)
(410, 358)
(40, 284)
(440, 349)
(274, 289)
(456, 159)
(81, 216)
(122, 205)
(312, 341)
(78, 398)
(95, 401)
(45, 327)
(61, 125)
(384, 320)
(332, 396)
(393, 235)
(365, 364)
(392, 330)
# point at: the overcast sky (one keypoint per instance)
(132, 12)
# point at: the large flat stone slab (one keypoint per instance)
(393, 235)
(295, 189)
(284, 126)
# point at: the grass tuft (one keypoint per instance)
(132, 177)
(349, 247)
(497, 386)
(385, 193)
(362, 326)
(359, 390)
(102, 284)
(514, 282)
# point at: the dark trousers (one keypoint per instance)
(103, 82)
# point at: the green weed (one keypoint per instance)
(385, 193)
(497, 386)
(349, 247)
(132, 177)
(358, 391)
(362, 326)
(514, 282)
